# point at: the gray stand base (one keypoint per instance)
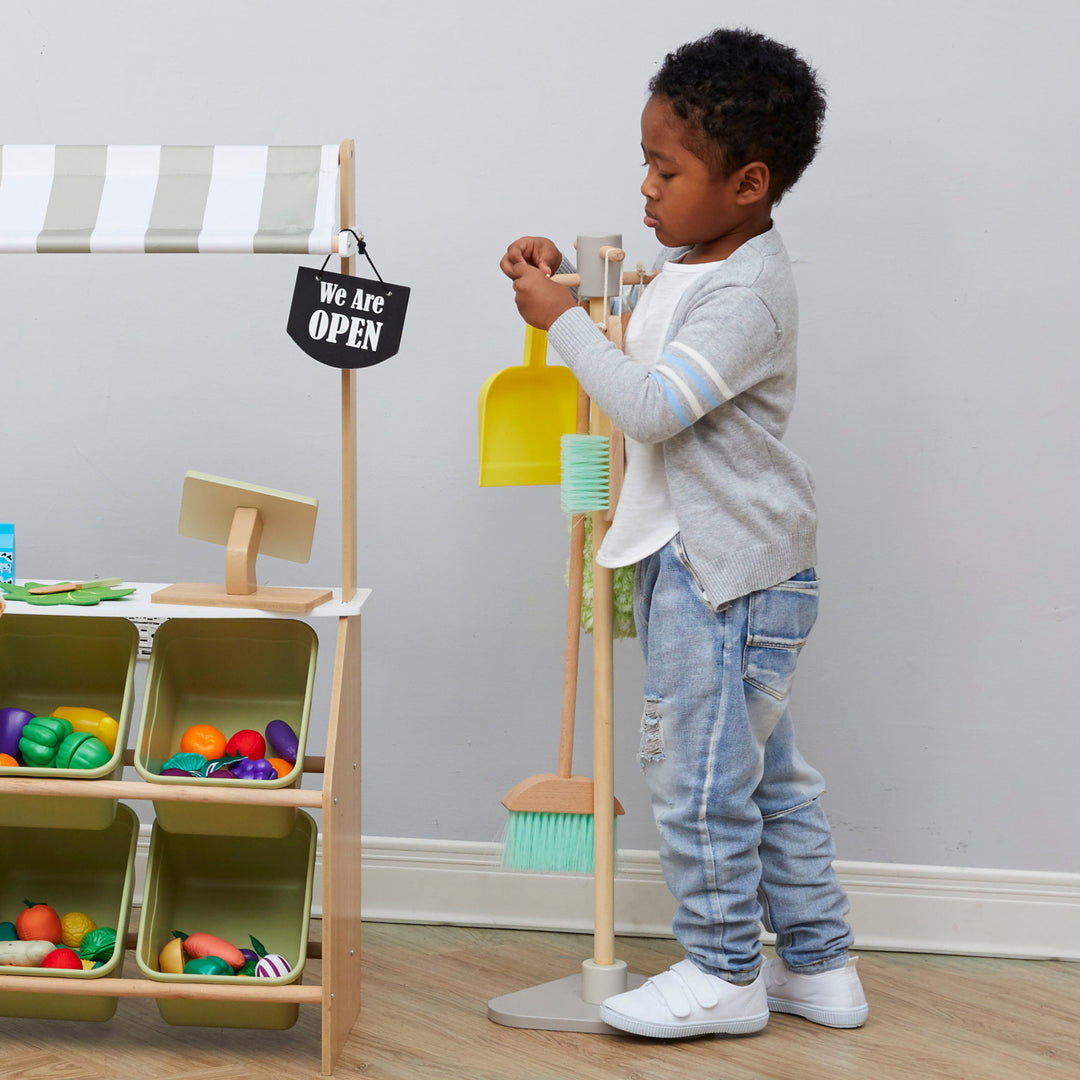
(554, 1006)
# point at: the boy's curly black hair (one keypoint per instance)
(745, 97)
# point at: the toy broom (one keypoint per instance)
(550, 820)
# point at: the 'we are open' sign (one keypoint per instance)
(346, 322)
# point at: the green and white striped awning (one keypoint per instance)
(272, 199)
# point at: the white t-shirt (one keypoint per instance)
(644, 519)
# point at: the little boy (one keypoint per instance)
(718, 517)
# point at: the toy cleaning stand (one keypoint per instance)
(295, 200)
(572, 1003)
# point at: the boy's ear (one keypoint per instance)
(752, 183)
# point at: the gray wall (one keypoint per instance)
(935, 241)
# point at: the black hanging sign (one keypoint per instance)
(346, 322)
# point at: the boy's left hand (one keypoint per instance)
(539, 299)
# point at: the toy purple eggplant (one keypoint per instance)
(12, 722)
(254, 769)
(282, 740)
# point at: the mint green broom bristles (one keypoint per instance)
(550, 821)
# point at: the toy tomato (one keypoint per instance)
(8, 761)
(203, 739)
(39, 922)
(247, 742)
(63, 958)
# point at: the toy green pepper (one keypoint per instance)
(81, 750)
(8, 932)
(41, 738)
(207, 965)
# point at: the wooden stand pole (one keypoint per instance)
(346, 157)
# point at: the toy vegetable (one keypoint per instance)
(98, 944)
(207, 965)
(247, 742)
(25, 953)
(82, 751)
(94, 722)
(8, 761)
(41, 738)
(282, 740)
(270, 965)
(39, 922)
(198, 946)
(9, 933)
(12, 722)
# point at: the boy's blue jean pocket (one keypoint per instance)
(779, 621)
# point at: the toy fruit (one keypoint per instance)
(94, 722)
(25, 953)
(82, 751)
(63, 958)
(74, 926)
(261, 769)
(171, 958)
(8, 761)
(282, 740)
(8, 932)
(281, 766)
(12, 722)
(203, 739)
(200, 945)
(99, 944)
(247, 742)
(41, 738)
(207, 965)
(38, 922)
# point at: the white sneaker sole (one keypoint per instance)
(838, 1018)
(743, 1025)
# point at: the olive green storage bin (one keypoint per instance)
(52, 660)
(91, 872)
(232, 887)
(233, 674)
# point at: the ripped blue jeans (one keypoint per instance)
(744, 839)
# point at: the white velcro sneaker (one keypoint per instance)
(683, 1001)
(833, 998)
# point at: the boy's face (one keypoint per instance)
(685, 202)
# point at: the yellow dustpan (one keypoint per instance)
(524, 412)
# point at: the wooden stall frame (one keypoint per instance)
(338, 993)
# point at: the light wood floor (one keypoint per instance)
(424, 1016)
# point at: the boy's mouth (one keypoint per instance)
(650, 221)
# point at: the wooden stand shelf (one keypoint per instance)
(338, 994)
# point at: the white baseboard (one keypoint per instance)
(938, 909)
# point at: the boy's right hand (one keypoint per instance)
(536, 251)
